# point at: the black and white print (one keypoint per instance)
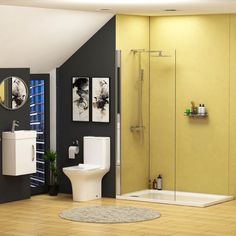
(101, 103)
(80, 98)
(19, 93)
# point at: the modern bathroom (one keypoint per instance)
(138, 111)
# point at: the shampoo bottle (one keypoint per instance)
(199, 110)
(154, 184)
(159, 182)
(203, 110)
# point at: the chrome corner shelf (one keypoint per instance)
(196, 115)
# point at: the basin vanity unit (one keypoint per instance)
(19, 152)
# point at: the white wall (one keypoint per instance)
(42, 39)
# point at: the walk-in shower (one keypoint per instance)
(147, 132)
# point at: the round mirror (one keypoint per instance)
(13, 93)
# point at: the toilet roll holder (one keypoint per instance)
(76, 142)
(73, 150)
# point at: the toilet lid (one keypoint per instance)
(88, 167)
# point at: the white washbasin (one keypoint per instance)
(19, 134)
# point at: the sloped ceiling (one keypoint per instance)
(43, 39)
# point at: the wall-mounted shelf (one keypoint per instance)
(196, 115)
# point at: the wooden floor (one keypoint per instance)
(39, 216)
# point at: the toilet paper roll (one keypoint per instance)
(72, 151)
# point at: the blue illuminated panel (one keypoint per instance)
(37, 119)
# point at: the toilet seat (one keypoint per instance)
(82, 168)
(85, 167)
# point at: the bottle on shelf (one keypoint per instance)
(154, 184)
(199, 110)
(203, 110)
(159, 182)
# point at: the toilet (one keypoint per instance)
(86, 179)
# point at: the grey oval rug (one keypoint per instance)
(109, 214)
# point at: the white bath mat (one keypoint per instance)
(109, 214)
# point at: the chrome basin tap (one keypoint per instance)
(15, 123)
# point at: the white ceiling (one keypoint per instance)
(43, 39)
(144, 7)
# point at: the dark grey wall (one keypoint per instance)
(14, 187)
(95, 58)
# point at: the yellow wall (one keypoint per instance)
(162, 117)
(202, 145)
(2, 92)
(133, 33)
(232, 150)
(205, 73)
